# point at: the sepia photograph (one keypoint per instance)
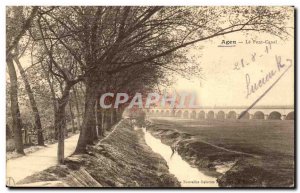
(150, 97)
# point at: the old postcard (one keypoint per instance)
(150, 96)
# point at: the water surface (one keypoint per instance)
(186, 175)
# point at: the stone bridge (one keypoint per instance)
(221, 113)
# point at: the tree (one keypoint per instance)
(62, 67)
(15, 110)
(16, 27)
(36, 114)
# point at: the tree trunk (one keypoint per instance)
(37, 120)
(107, 120)
(25, 136)
(103, 121)
(96, 117)
(15, 111)
(8, 132)
(112, 116)
(65, 127)
(77, 109)
(61, 133)
(119, 113)
(89, 121)
(53, 97)
(60, 122)
(64, 91)
(99, 119)
(72, 117)
(115, 118)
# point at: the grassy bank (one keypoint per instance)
(121, 160)
(239, 153)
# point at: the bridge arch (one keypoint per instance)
(259, 115)
(162, 112)
(193, 115)
(201, 115)
(179, 113)
(231, 115)
(290, 116)
(185, 114)
(173, 113)
(245, 116)
(275, 115)
(210, 115)
(221, 115)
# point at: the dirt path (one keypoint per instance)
(121, 159)
(19, 168)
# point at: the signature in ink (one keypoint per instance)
(254, 87)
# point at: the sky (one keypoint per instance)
(222, 85)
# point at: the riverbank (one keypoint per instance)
(232, 167)
(121, 160)
(187, 175)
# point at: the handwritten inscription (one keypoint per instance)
(253, 87)
(252, 58)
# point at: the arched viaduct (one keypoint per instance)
(222, 113)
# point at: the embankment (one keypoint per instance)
(121, 160)
(232, 168)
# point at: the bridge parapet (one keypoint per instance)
(219, 113)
